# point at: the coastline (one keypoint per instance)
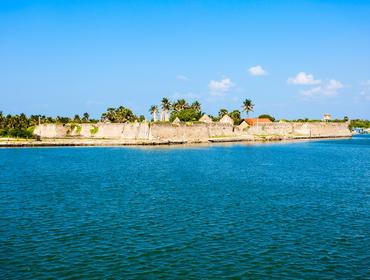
(73, 142)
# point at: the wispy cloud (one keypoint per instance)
(90, 103)
(182, 77)
(365, 92)
(303, 78)
(365, 95)
(366, 83)
(219, 88)
(330, 88)
(186, 95)
(257, 71)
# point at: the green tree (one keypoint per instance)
(235, 115)
(166, 107)
(180, 104)
(86, 117)
(153, 110)
(186, 115)
(196, 106)
(266, 116)
(77, 119)
(222, 113)
(248, 106)
(118, 115)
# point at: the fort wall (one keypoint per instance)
(196, 132)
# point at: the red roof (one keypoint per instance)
(254, 121)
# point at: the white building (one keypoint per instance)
(327, 117)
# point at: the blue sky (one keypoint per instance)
(294, 59)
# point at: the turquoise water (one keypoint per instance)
(298, 210)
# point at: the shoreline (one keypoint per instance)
(67, 142)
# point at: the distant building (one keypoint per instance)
(257, 121)
(243, 125)
(227, 119)
(358, 130)
(176, 121)
(206, 119)
(327, 117)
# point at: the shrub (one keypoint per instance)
(186, 115)
(94, 130)
(266, 116)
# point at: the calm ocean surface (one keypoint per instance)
(297, 210)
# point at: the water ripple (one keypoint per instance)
(237, 212)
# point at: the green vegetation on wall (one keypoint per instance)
(94, 130)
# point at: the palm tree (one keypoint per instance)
(222, 113)
(77, 119)
(86, 117)
(166, 107)
(154, 111)
(196, 106)
(248, 106)
(180, 104)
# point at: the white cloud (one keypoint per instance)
(187, 95)
(257, 71)
(365, 92)
(220, 87)
(182, 77)
(303, 78)
(312, 91)
(365, 95)
(366, 83)
(331, 88)
(334, 85)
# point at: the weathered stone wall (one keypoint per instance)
(306, 129)
(220, 129)
(185, 132)
(136, 131)
(180, 132)
(51, 130)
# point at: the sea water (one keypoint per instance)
(282, 210)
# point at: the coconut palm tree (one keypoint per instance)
(180, 104)
(196, 106)
(166, 107)
(154, 111)
(222, 113)
(86, 117)
(77, 119)
(248, 106)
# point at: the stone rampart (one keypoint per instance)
(197, 132)
(304, 129)
(180, 132)
(51, 130)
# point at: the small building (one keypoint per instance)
(327, 117)
(206, 119)
(227, 119)
(255, 121)
(243, 125)
(176, 121)
(358, 130)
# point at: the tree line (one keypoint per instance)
(21, 125)
(187, 112)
